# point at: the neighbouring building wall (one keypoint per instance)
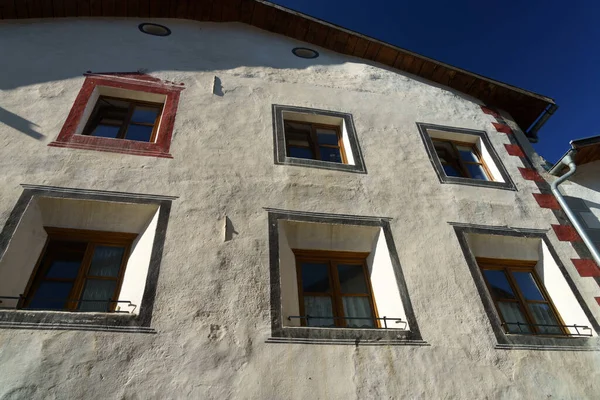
(582, 193)
(212, 309)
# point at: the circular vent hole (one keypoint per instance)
(303, 52)
(155, 29)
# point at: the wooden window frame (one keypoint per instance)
(462, 164)
(507, 266)
(124, 126)
(91, 239)
(332, 259)
(313, 140)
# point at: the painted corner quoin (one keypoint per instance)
(564, 231)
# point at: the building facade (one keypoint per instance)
(228, 211)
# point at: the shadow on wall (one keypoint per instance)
(20, 124)
(52, 52)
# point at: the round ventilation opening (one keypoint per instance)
(303, 52)
(154, 29)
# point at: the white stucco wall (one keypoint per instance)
(212, 308)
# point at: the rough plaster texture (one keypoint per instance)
(212, 306)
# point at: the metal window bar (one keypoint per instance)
(384, 319)
(127, 303)
(577, 328)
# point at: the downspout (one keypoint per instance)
(568, 161)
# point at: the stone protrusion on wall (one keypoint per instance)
(566, 233)
(546, 201)
(530, 174)
(586, 268)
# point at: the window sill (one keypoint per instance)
(509, 341)
(355, 336)
(67, 320)
(334, 166)
(477, 182)
(121, 146)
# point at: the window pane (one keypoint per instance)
(477, 172)
(358, 307)
(467, 153)
(51, 296)
(512, 315)
(528, 286)
(543, 314)
(327, 136)
(297, 127)
(140, 133)
(444, 149)
(352, 279)
(498, 283)
(451, 171)
(315, 277)
(66, 269)
(301, 143)
(113, 105)
(331, 155)
(144, 114)
(107, 131)
(98, 294)
(106, 261)
(316, 307)
(300, 152)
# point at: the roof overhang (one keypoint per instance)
(582, 151)
(524, 106)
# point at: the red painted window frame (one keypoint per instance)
(129, 81)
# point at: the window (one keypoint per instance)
(464, 156)
(461, 160)
(337, 278)
(520, 298)
(124, 119)
(316, 138)
(529, 297)
(79, 271)
(314, 141)
(65, 252)
(334, 289)
(135, 108)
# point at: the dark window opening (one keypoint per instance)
(79, 271)
(521, 300)
(461, 160)
(314, 141)
(335, 290)
(124, 119)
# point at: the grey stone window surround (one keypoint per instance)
(508, 183)
(64, 320)
(516, 341)
(279, 147)
(352, 336)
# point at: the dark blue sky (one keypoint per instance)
(550, 47)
